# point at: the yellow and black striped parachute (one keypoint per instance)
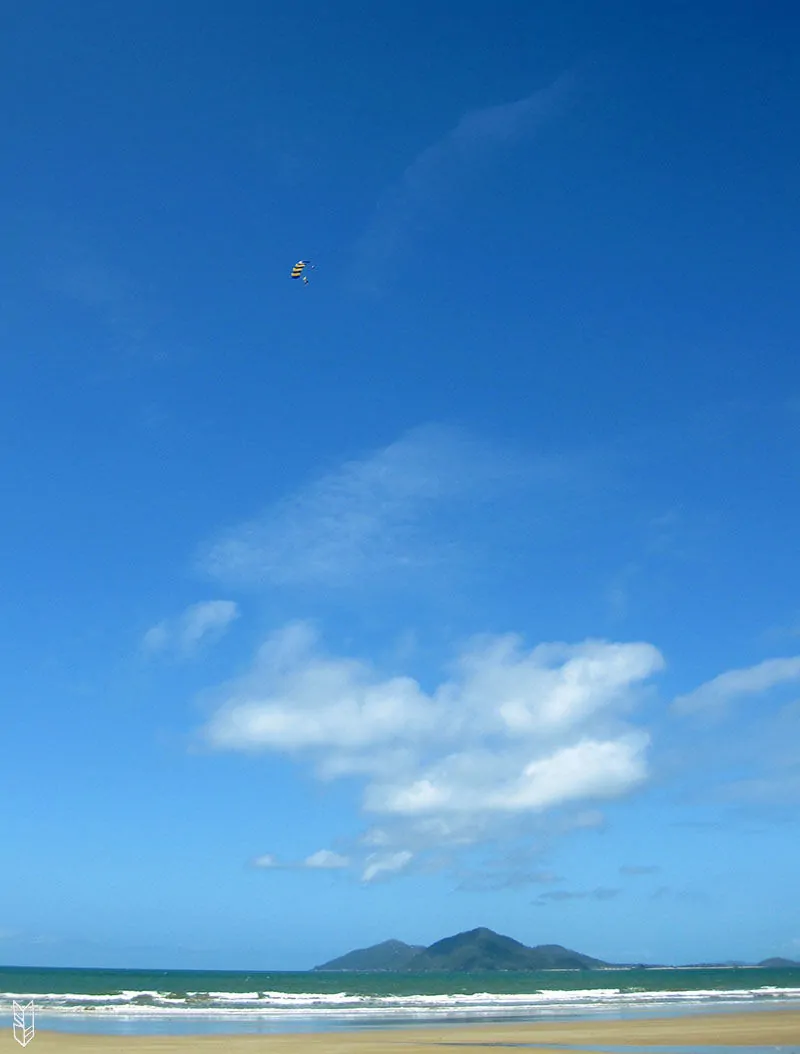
(299, 268)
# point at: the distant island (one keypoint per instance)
(479, 950)
(470, 952)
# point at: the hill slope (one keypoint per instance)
(388, 955)
(469, 952)
(483, 949)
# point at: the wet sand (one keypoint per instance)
(750, 1029)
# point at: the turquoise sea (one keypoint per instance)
(193, 1001)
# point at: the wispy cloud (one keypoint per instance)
(750, 766)
(322, 860)
(776, 749)
(201, 623)
(266, 861)
(379, 865)
(512, 733)
(438, 173)
(506, 877)
(693, 896)
(778, 788)
(560, 896)
(399, 511)
(661, 541)
(717, 694)
(617, 593)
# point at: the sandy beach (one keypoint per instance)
(751, 1029)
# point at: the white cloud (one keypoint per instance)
(296, 700)
(374, 517)
(378, 864)
(326, 859)
(477, 781)
(512, 733)
(322, 860)
(715, 695)
(199, 623)
(156, 639)
(209, 618)
(266, 861)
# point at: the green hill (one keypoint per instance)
(388, 955)
(470, 952)
(483, 949)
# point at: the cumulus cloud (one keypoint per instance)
(511, 733)
(438, 173)
(717, 694)
(400, 510)
(199, 623)
(476, 780)
(266, 861)
(326, 860)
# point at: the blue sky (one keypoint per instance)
(457, 588)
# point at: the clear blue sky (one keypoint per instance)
(456, 588)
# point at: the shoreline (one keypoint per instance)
(252, 1023)
(750, 1029)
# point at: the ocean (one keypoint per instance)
(192, 1001)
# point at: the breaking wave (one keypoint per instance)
(366, 1007)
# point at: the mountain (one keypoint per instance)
(483, 949)
(388, 955)
(473, 951)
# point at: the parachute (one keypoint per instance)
(299, 268)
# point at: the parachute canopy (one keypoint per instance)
(299, 268)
